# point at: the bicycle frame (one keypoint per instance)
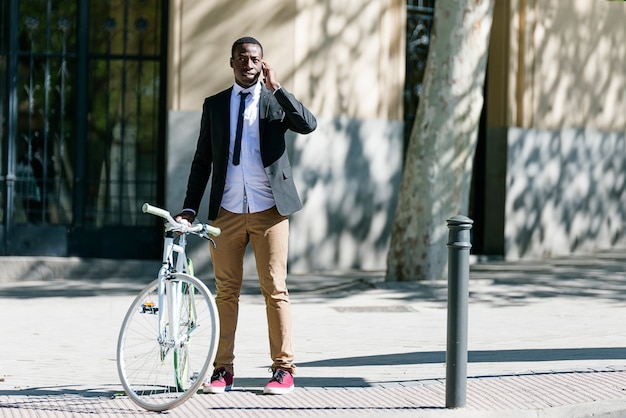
(174, 260)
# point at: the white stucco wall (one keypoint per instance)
(564, 192)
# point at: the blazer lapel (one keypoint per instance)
(264, 106)
(224, 114)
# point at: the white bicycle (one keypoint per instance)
(169, 336)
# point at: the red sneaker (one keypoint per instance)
(281, 383)
(221, 381)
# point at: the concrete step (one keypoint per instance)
(74, 268)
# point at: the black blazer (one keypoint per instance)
(277, 113)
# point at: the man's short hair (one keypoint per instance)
(245, 40)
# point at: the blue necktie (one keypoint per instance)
(238, 134)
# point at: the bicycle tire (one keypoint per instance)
(160, 379)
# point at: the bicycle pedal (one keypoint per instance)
(149, 308)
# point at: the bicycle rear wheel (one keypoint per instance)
(160, 375)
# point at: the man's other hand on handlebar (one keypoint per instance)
(187, 216)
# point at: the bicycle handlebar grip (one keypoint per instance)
(153, 210)
(212, 230)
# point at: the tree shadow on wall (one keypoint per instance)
(565, 189)
(568, 188)
(349, 190)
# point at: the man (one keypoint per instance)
(252, 195)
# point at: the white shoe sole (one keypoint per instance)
(216, 391)
(277, 391)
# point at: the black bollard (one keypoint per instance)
(458, 294)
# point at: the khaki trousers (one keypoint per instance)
(268, 231)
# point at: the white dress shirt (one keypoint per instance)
(247, 189)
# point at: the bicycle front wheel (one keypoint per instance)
(160, 363)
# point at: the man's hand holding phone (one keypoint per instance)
(269, 77)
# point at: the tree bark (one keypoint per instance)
(438, 168)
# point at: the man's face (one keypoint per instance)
(247, 63)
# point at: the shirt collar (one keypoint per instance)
(255, 89)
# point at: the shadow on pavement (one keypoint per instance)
(486, 356)
(61, 390)
(599, 276)
(71, 288)
(243, 383)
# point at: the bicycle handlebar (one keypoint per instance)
(153, 210)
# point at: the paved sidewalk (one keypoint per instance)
(546, 340)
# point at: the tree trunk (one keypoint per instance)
(438, 168)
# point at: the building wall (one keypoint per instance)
(565, 192)
(555, 74)
(574, 65)
(340, 58)
(345, 62)
(557, 115)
